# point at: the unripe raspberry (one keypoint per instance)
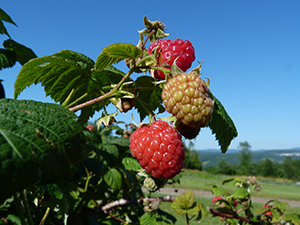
(159, 149)
(186, 96)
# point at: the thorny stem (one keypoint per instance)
(105, 96)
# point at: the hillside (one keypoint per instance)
(210, 157)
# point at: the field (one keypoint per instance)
(282, 190)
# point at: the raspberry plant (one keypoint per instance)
(56, 169)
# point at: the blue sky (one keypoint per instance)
(251, 53)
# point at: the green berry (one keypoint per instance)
(186, 96)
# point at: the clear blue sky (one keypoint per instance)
(251, 53)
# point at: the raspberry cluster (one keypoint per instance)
(159, 149)
(169, 51)
(186, 96)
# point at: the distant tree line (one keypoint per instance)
(289, 169)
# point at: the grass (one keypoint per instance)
(271, 188)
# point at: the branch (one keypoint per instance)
(231, 215)
(121, 202)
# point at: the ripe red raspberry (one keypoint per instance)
(90, 127)
(159, 149)
(170, 50)
(215, 199)
(186, 96)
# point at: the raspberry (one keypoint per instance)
(90, 127)
(186, 131)
(170, 50)
(186, 96)
(159, 149)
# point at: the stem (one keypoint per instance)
(143, 45)
(68, 98)
(105, 96)
(88, 177)
(45, 216)
(27, 209)
(187, 219)
(78, 99)
(19, 209)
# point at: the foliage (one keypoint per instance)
(192, 160)
(57, 170)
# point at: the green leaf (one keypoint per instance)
(280, 205)
(148, 94)
(114, 53)
(241, 193)
(113, 178)
(227, 180)
(23, 53)
(112, 149)
(121, 141)
(217, 191)
(41, 143)
(5, 17)
(294, 218)
(222, 125)
(67, 77)
(131, 164)
(147, 219)
(58, 76)
(7, 58)
(184, 204)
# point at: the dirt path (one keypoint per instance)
(208, 194)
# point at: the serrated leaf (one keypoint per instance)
(41, 143)
(222, 125)
(131, 164)
(241, 193)
(23, 53)
(114, 53)
(58, 76)
(7, 58)
(83, 60)
(148, 93)
(113, 178)
(5, 17)
(184, 204)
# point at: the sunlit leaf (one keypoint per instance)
(114, 53)
(222, 125)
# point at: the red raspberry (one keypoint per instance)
(170, 50)
(90, 127)
(215, 199)
(159, 149)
